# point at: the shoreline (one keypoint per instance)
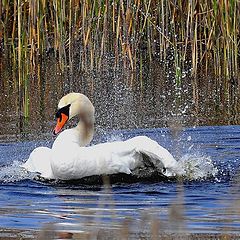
(50, 233)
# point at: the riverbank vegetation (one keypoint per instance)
(197, 33)
(191, 38)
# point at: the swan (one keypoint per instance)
(70, 157)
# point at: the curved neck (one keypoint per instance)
(86, 131)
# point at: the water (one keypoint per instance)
(207, 200)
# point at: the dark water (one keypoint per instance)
(207, 201)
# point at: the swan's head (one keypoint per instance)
(71, 105)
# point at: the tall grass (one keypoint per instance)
(196, 35)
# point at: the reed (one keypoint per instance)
(204, 34)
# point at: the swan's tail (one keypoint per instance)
(39, 162)
(160, 157)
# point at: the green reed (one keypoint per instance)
(203, 34)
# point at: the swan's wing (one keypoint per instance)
(160, 157)
(76, 162)
(124, 157)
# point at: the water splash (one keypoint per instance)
(14, 172)
(197, 166)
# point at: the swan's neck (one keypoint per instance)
(85, 130)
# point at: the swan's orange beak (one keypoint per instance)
(61, 121)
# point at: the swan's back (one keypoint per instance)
(110, 158)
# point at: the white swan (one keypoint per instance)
(69, 157)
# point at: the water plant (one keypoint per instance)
(196, 35)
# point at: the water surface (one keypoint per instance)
(207, 201)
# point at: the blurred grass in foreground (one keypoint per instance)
(149, 225)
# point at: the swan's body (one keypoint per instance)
(69, 158)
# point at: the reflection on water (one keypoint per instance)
(122, 99)
(206, 205)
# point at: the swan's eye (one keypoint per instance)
(59, 116)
